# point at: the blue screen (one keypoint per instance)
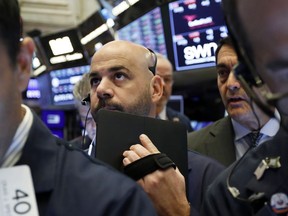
(53, 118)
(33, 91)
(62, 84)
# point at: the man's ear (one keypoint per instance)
(24, 62)
(157, 88)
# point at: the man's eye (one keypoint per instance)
(95, 81)
(223, 73)
(167, 79)
(120, 76)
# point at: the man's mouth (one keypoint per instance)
(235, 99)
(112, 107)
(108, 108)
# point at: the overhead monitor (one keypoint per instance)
(196, 27)
(38, 64)
(95, 32)
(62, 84)
(64, 49)
(115, 7)
(146, 30)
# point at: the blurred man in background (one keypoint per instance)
(164, 69)
(80, 92)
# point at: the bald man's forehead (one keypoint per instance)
(125, 47)
(116, 60)
(124, 50)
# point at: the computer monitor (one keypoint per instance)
(146, 30)
(62, 84)
(94, 32)
(64, 49)
(176, 102)
(196, 27)
(55, 121)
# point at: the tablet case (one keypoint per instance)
(117, 131)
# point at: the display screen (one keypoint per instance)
(114, 7)
(38, 64)
(53, 118)
(32, 92)
(196, 27)
(64, 49)
(94, 33)
(147, 31)
(62, 84)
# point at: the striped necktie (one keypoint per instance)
(254, 138)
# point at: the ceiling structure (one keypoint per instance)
(50, 16)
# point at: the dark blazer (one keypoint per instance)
(215, 141)
(67, 182)
(173, 115)
(201, 173)
(220, 202)
(78, 142)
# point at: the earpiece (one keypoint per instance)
(86, 101)
(153, 67)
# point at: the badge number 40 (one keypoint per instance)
(22, 206)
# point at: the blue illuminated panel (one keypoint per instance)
(53, 118)
(62, 84)
(33, 91)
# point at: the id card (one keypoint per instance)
(17, 195)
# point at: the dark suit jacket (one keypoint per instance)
(67, 182)
(201, 173)
(173, 115)
(215, 140)
(78, 142)
(220, 202)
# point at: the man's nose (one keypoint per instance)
(232, 83)
(105, 88)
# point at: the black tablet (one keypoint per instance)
(117, 131)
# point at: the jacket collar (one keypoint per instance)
(40, 154)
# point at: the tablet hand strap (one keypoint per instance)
(148, 164)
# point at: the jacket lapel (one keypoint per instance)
(222, 137)
(40, 155)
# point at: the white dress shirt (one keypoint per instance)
(162, 115)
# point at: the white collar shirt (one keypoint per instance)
(14, 151)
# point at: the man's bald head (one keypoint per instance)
(135, 54)
(122, 78)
